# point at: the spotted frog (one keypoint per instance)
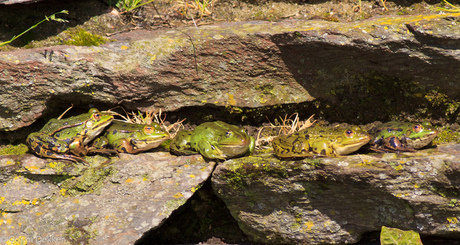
(320, 141)
(402, 136)
(214, 140)
(131, 138)
(67, 138)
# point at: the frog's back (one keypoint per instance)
(314, 141)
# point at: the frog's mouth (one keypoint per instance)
(99, 128)
(421, 141)
(230, 148)
(347, 149)
(150, 143)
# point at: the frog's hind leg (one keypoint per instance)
(101, 145)
(398, 145)
(124, 146)
(67, 157)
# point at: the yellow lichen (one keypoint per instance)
(20, 240)
(178, 195)
(309, 225)
(35, 201)
(452, 220)
(231, 100)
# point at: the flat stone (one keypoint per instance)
(337, 200)
(245, 64)
(105, 203)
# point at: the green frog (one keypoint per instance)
(60, 138)
(131, 138)
(402, 136)
(214, 140)
(320, 141)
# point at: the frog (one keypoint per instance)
(214, 140)
(181, 143)
(320, 141)
(67, 138)
(396, 136)
(125, 137)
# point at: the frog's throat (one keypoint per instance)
(347, 149)
(421, 141)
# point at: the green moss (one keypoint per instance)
(20, 149)
(91, 181)
(247, 169)
(441, 105)
(329, 17)
(57, 179)
(79, 232)
(173, 204)
(454, 203)
(58, 166)
(80, 37)
(447, 135)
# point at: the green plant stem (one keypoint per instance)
(454, 10)
(47, 18)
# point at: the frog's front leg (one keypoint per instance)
(208, 150)
(76, 147)
(101, 145)
(47, 146)
(395, 144)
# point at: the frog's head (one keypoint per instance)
(419, 135)
(350, 140)
(95, 124)
(234, 142)
(149, 137)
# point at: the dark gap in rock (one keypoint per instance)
(204, 217)
(81, 103)
(369, 238)
(435, 240)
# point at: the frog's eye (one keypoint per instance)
(93, 110)
(148, 129)
(228, 134)
(417, 128)
(96, 116)
(349, 133)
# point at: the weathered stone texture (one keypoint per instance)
(336, 200)
(114, 203)
(235, 64)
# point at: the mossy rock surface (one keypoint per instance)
(337, 200)
(104, 202)
(358, 72)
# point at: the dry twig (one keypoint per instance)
(288, 126)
